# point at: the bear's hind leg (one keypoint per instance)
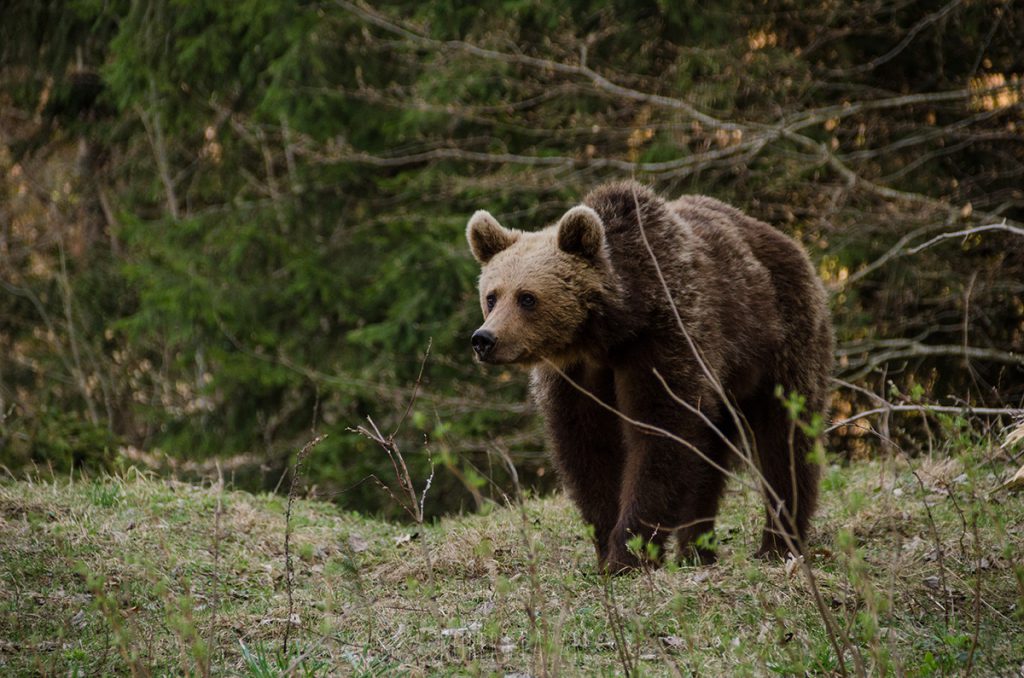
(782, 451)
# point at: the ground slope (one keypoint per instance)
(918, 567)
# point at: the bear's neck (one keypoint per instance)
(609, 324)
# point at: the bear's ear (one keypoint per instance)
(487, 237)
(581, 232)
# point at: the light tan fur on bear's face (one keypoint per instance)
(562, 269)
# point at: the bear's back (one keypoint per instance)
(799, 300)
(722, 292)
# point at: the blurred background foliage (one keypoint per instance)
(224, 226)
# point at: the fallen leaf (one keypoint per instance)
(792, 564)
(1015, 436)
(673, 641)
(461, 630)
(1016, 483)
(405, 538)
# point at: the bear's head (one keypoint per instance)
(538, 290)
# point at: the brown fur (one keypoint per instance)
(749, 301)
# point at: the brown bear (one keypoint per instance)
(659, 334)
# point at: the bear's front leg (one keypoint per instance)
(668, 485)
(586, 439)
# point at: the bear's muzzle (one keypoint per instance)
(483, 343)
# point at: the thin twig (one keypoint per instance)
(899, 47)
(616, 625)
(415, 388)
(215, 597)
(154, 130)
(289, 570)
(966, 232)
(977, 597)
(414, 505)
(945, 409)
(939, 551)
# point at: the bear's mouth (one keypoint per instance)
(498, 360)
(559, 357)
(492, 358)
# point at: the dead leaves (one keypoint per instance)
(1015, 483)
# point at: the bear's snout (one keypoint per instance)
(483, 341)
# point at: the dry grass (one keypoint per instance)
(117, 575)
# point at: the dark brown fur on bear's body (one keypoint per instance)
(752, 306)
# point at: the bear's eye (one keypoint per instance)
(527, 300)
(492, 298)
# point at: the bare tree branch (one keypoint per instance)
(907, 39)
(966, 232)
(944, 409)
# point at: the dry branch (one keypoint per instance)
(289, 570)
(942, 409)
(966, 232)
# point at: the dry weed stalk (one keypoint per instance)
(618, 627)
(539, 629)
(215, 598)
(289, 569)
(416, 501)
(977, 597)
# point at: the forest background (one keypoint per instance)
(228, 227)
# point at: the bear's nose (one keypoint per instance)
(483, 341)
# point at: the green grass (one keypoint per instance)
(125, 575)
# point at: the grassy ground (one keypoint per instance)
(918, 566)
